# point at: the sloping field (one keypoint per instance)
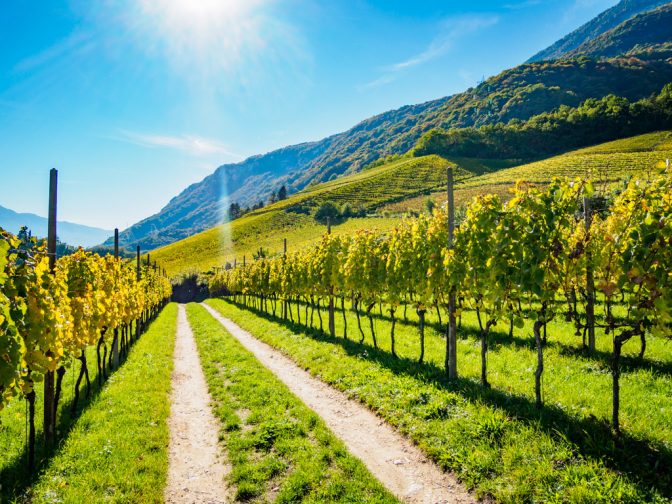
(292, 218)
(399, 187)
(609, 162)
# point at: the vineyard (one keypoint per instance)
(336, 252)
(608, 163)
(55, 312)
(542, 257)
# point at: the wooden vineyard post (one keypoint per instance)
(115, 339)
(332, 322)
(49, 402)
(451, 340)
(284, 260)
(590, 280)
(138, 276)
(137, 263)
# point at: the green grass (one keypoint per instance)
(244, 236)
(116, 450)
(610, 162)
(278, 448)
(607, 164)
(495, 440)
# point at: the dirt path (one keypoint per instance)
(394, 460)
(195, 467)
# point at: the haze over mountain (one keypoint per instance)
(68, 232)
(518, 93)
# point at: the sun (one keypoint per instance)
(203, 13)
(211, 34)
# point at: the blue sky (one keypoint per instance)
(133, 100)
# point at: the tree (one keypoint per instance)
(282, 193)
(327, 212)
(430, 205)
(234, 211)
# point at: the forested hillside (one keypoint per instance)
(609, 19)
(648, 30)
(593, 122)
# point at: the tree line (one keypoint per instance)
(593, 122)
(236, 210)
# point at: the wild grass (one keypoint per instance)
(243, 238)
(115, 449)
(279, 450)
(494, 439)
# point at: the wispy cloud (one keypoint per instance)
(450, 32)
(190, 144)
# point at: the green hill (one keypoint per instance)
(647, 30)
(611, 162)
(518, 93)
(292, 218)
(612, 17)
(608, 164)
(398, 187)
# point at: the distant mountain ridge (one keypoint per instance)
(624, 10)
(68, 232)
(515, 94)
(650, 29)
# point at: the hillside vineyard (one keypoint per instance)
(541, 255)
(49, 316)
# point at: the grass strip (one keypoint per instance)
(118, 449)
(279, 450)
(493, 439)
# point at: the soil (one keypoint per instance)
(196, 469)
(393, 459)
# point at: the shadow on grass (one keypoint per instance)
(648, 463)
(15, 478)
(629, 363)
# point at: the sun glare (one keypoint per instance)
(204, 35)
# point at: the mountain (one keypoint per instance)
(515, 94)
(518, 93)
(201, 205)
(624, 10)
(72, 234)
(649, 30)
